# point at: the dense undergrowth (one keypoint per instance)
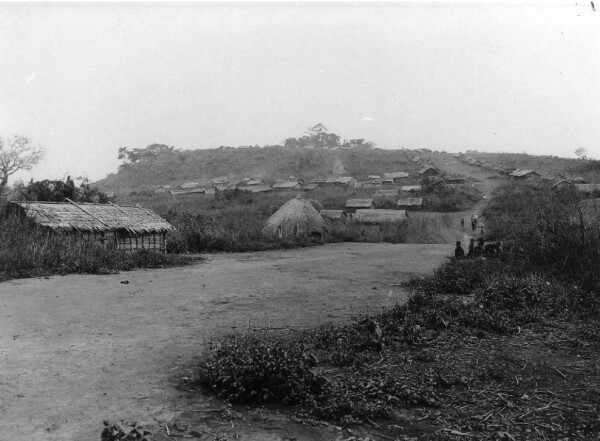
(546, 231)
(28, 251)
(450, 346)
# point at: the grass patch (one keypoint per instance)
(29, 251)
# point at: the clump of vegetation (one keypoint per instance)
(441, 197)
(58, 191)
(546, 231)
(245, 368)
(124, 431)
(29, 251)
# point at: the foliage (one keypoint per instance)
(452, 199)
(433, 184)
(124, 432)
(546, 231)
(58, 191)
(29, 251)
(146, 154)
(246, 368)
(17, 153)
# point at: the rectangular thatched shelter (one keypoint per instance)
(380, 216)
(386, 194)
(396, 176)
(125, 227)
(355, 204)
(410, 203)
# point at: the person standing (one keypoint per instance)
(459, 252)
(462, 223)
(471, 251)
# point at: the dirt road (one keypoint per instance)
(75, 350)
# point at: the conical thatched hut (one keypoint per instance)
(295, 218)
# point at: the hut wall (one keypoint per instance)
(147, 241)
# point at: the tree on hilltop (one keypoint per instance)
(146, 154)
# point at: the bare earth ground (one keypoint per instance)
(77, 349)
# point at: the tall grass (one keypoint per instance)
(430, 228)
(29, 251)
(546, 230)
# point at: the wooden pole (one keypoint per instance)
(88, 213)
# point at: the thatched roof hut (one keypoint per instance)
(410, 203)
(354, 204)
(310, 187)
(386, 194)
(396, 175)
(256, 189)
(297, 217)
(176, 192)
(121, 226)
(429, 170)
(288, 185)
(187, 185)
(380, 216)
(522, 175)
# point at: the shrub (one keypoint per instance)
(246, 368)
(30, 251)
(545, 232)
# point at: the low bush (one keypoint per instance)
(246, 368)
(545, 232)
(29, 251)
(452, 199)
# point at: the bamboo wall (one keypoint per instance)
(123, 240)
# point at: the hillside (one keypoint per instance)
(546, 165)
(174, 167)
(270, 163)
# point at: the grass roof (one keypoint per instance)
(379, 216)
(65, 216)
(296, 217)
(359, 203)
(410, 202)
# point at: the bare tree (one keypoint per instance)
(17, 153)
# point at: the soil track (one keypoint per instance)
(75, 350)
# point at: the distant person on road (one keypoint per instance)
(471, 252)
(462, 223)
(484, 198)
(459, 252)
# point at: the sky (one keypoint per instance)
(83, 80)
